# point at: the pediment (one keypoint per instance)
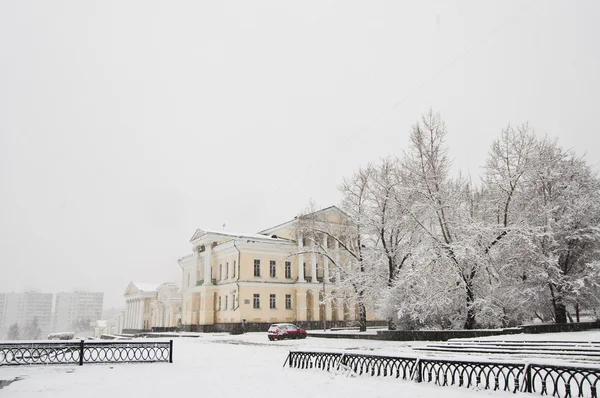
(131, 289)
(199, 232)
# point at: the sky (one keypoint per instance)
(126, 125)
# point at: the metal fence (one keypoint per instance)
(80, 352)
(556, 381)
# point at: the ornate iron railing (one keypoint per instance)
(80, 352)
(556, 381)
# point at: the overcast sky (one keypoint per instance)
(125, 125)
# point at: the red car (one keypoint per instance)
(280, 331)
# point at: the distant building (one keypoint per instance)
(75, 309)
(114, 324)
(150, 306)
(3, 327)
(100, 328)
(23, 308)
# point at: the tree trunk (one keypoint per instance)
(577, 312)
(362, 315)
(470, 321)
(560, 313)
(391, 324)
(560, 310)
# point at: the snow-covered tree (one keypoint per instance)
(563, 211)
(32, 330)
(13, 332)
(344, 243)
(466, 223)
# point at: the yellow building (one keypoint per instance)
(254, 280)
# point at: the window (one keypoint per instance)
(225, 306)
(272, 268)
(304, 268)
(234, 263)
(256, 301)
(219, 304)
(288, 269)
(272, 301)
(226, 270)
(233, 301)
(256, 267)
(288, 301)
(220, 271)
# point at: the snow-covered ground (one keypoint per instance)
(239, 366)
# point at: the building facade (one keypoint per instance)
(3, 327)
(74, 309)
(253, 280)
(149, 306)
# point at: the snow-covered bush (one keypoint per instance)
(61, 336)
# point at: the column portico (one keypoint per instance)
(301, 305)
(131, 313)
(300, 261)
(207, 268)
(313, 264)
(316, 305)
(325, 261)
(141, 315)
(196, 271)
(337, 261)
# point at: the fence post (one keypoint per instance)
(170, 351)
(418, 370)
(527, 374)
(81, 353)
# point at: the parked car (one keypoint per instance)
(280, 331)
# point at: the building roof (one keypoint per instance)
(146, 287)
(233, 235)
(330, 208)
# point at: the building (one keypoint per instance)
(151, 306)
(77, 310)
(166, 309)
(100, 327)
(233, 279)
(114, 324)
(26, 308)
(3, 327)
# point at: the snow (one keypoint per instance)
(245, 235)
(235, 366)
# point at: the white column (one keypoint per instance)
(141, 319)
(133, 313)
(313, 260)
(207, 271)
(196, 271)
(126, 313)
(129, 314)
(300, 260)
(137, 314)
(337, 261)
(325, 261)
